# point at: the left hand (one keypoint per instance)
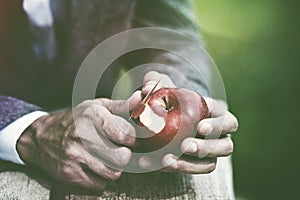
(201, 154)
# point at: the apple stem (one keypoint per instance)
(167, 107)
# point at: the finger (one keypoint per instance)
(216, 108)
(99, 168)
(207, 148)
(92, 181)
(152, 77)
(98, 126)
(116, 128)
(224, 124)
(145, 162)
(97, 143)
(193, 166)
(104, 149)
(120, 107)
(97, 153)
(74, 174)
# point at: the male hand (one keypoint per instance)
(201, 154)
(78, 152)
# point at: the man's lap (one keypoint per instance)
(216, 185)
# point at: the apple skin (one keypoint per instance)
(181, 110)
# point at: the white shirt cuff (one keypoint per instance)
(11, 133)
(39, 12)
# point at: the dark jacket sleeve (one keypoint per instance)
(177, 15)
(11, 109)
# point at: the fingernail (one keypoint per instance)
(190, 147)
(171, 162)
(145, 162)
(206, 128)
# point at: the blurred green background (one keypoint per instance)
(255, 44)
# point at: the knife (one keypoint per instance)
(145, 99)
(149, 93)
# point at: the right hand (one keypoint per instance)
(75, 154)
(221, 121)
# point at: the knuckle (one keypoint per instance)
(68, 151)
(125, 156)
(86, 102)
(115, 176)
(75, 134)
(103, 100)
(179, 166)
(203, 150)
(88, 111)
(124, 134)
(211, 167)
(65, 170)
(119, 135)
(128, 135)
(92, 109)
(171, 162)
(229, 146)
(188, 145)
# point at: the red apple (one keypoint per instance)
(167, 113)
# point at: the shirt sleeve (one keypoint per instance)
(11, 133)
(39, 12)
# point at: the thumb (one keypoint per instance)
(121, 107)
(152, 78)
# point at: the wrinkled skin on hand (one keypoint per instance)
(93, 149)
(200, 154)
(78, 153)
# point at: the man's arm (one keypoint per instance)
(87, 145)
(79, 153)
(178, 16)
(15, 117)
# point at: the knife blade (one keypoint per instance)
(147, 96)
(150, 92)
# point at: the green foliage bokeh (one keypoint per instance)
(256, 47)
